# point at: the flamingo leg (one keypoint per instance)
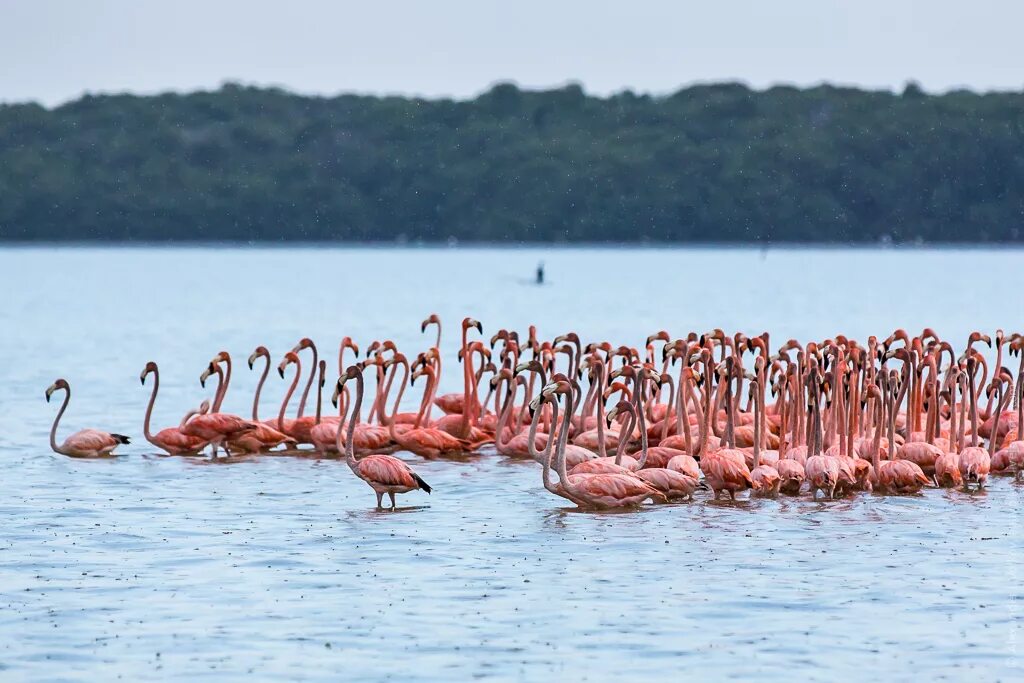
(380, 496)
(392, 496)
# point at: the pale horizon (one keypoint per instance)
(61, 50)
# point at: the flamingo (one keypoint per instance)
(1011, 456)
(264, 437)
(456, 403)
(85, 443)
(766, 479)
(892, 476)
(424, 441)
(975, 463)
(595, 491)
(725, 469)
(171, 439)
(672, 484)
(383, 473)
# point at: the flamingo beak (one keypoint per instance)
(336, 394)
(478, 326)
(280, 371)
(252, 360)
(49, 391)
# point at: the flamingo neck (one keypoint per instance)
(149, 408)
(259, 390)
(288, 396)
(56, 420)
(309, 382)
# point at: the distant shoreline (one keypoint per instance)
(465, 245)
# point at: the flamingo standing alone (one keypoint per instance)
(384, 473)
(85, 443)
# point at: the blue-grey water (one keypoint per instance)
(152, 567)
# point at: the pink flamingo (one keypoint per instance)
(171, 439)
(947, 465)
(264, 437)
(306, 343)
(895, 476)
(595, 491)
(673, 485)
(766, 479)
(455, 403)
(384, 473)
(424, 441)
(85, 443)
(300, 427)
(975, 463)
(1011, 456)
(215, 427)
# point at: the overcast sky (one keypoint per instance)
(55, 50)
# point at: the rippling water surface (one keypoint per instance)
(161, 567)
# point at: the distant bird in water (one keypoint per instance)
(540, 273)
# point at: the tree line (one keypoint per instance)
(709, 163)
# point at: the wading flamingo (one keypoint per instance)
(384, 473)
(85, 443)
(171, 439)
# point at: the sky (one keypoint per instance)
(56, 50)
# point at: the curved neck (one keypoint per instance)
(510, 395)
(602, 448)
(627, 427)
(357, 403)
(389, 420)
(641, 421)
(149, 408)
(259, 389)
(222, 389)
(546, 472)
(669, 408)
(1000, 406)
(215, 408)
(876, 440)
(309, 382)
(758, 417)
(288, 396)
(563, 438)
(60, 413)
(319, 395)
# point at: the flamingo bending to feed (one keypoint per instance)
(171, 439)
(384, 473)
(85, 443)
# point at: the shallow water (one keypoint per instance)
(159, 567)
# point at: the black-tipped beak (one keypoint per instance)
(423, 327)
(334, 401)
(280, 371)
(202, 382)
(48, 400)
(479, 327)
(250, 365)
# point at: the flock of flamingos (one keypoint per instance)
(892, 416)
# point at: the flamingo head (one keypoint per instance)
(59, 384)
(150, 367)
